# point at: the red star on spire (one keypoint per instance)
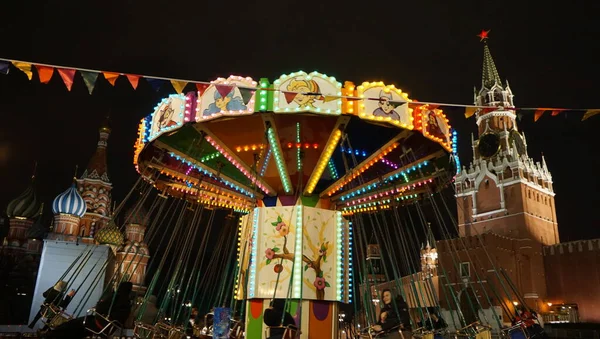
(484, 34)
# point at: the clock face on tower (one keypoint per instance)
(488, 145)
(517, 140)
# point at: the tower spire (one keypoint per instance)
(97, 168)
(489, 75)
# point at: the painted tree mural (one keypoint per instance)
(315, 262)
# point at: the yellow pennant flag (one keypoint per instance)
(24, 67)
(590, 113)
(470, 111)
(178, 85)
(328, 98)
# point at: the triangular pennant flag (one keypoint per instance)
(414, 105)
(45, 73)
(556, 112)
(133, 80)
(201, 88)
(328, 98)
(470, 111)
(178, 85)
(155, 83)
(4, 67)
(397, 104)
(24, 67)
(290, 96)
(111, 77)
(67, 76)
(519, 116)
(224, 90)
(590, 113)
(246, 94)
(538, 114)
(89, 78)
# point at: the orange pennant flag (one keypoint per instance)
(470, 111)
(556, 112)
(538, 114)
(67, 76)
(590, 113)
(133, 80)
(45, 73)
(24, 67)
(111, 77)
(178, 85)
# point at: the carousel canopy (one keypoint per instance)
(304, 135)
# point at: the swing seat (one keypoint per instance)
(53, 316)
(474, 330)
(289, 332)
(111, 326)
(144, 331)
(516, 331)
(237, 330)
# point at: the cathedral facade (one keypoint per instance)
(83, 245)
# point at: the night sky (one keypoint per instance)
(431, 51)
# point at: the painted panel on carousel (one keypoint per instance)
(384, 103)
(232, 96)
(322, 254)
(435, 126)
(167, 116)
(274, 244)
(301, 92)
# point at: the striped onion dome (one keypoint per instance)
(25, 205)
(110, 235)
(69, 202)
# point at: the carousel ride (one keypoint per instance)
(296, 158)
(305, 190)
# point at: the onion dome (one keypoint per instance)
(69, 202)
(110, 235)
(137, 215)
(25, 205)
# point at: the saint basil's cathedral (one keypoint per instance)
(36, 255)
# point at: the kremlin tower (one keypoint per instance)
(503, 190)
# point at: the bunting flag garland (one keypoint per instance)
(45, 73)
(328, 98)
(24, 67)
(201, 88)
(67, 75)
(89, 78)
(224, 90)
(590, 113)
(155, 83)
(178, 85)
(4, 67)
(289, 96)
(470, 111)
(133, 80)
(246, 94)
(111, 77)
